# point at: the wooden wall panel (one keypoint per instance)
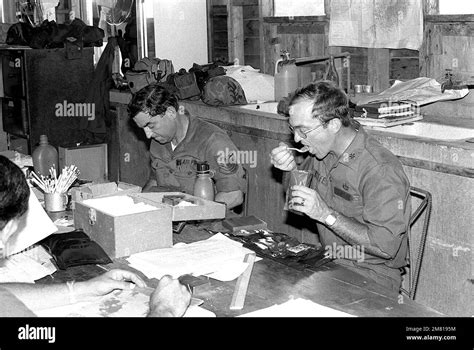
(251, 11)
(251, 28)
(447, 265)
(448, 46)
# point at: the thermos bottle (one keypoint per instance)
(204, 186)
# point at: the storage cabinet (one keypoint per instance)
(235, 31)
(43, 92)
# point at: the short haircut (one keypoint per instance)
(329, 102)
(152, 99)
(14, 192)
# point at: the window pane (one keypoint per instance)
(456, 7)
(299, 8)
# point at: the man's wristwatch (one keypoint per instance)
(330, 219)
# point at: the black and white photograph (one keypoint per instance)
(304, 166)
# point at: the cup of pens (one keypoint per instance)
(55, 201)
(55, 188)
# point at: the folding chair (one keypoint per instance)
(416, 248)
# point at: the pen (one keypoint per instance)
(182, 279)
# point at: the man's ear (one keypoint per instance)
(171, 112)
(335, 125)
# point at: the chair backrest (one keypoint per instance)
(416, 246)
(245, 204)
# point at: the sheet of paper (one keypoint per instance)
(127, 303)
(32, 228)
(27, 266)
(298, 308)
(376, 24)
(217, 255)
(118, 205)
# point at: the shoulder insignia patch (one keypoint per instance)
(227, 164)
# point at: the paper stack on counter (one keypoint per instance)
(387, 114)
(218, 257)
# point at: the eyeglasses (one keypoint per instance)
(302, 134)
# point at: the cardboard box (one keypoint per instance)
(123, 235)
(202, 210)
(97, 190)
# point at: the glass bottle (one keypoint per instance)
(44, 157)
(204, 186)
(331, 73)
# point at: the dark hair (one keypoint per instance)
(153, 99)
(329, 102)
(14, 192)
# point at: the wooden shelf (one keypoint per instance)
(449, 18)
(296, 19)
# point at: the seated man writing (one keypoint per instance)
(359, 194)
(179, 141)
(170, 298)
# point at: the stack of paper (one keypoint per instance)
(218, 257)
(298, 308)
(387, 114)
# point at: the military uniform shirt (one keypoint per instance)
(366, 183)
(204, 141)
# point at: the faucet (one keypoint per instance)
(448, 84)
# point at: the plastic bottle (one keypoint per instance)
(204, 186)
(331, 73)
(286, 77)
(44, 157)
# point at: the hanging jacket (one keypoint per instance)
(99, 91)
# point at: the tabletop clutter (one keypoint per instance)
(55, 188)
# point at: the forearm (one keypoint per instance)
(42, 296)
(355, 233)
(231, 199)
